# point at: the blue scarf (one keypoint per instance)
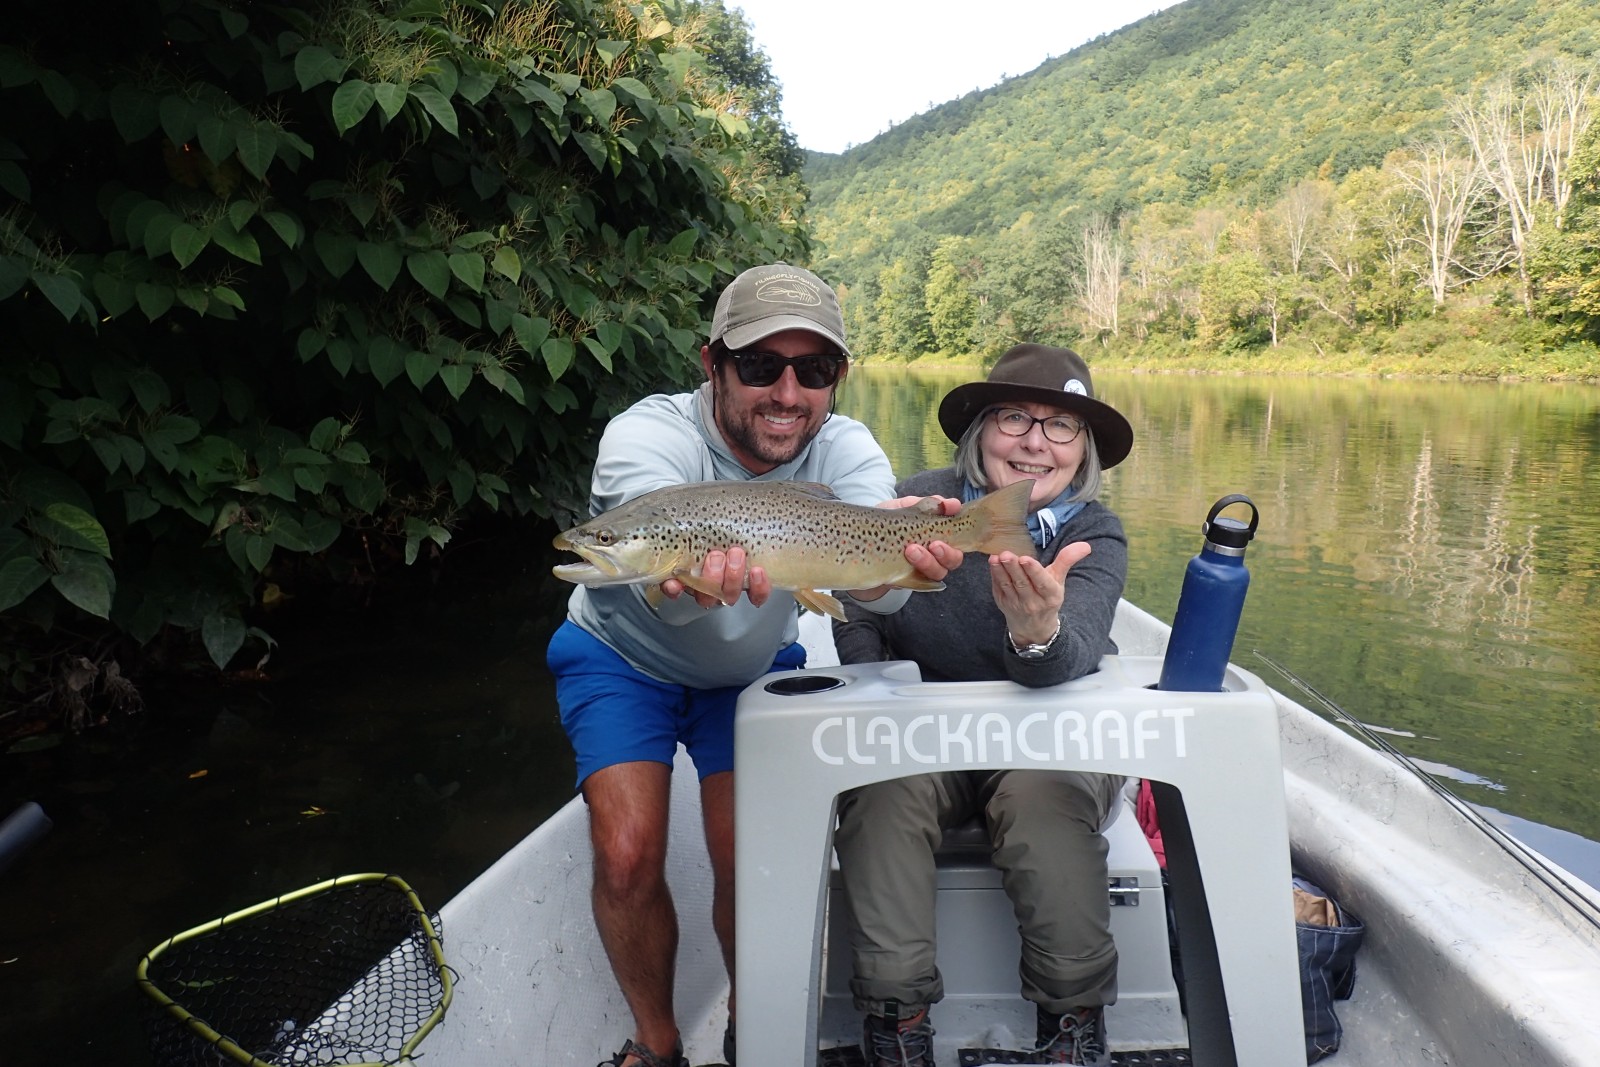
(1043, 522)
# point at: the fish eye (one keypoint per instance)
(604, 537)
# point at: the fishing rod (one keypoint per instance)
(1556, 880)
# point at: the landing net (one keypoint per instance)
(349, 971)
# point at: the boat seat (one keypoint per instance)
(804, 737)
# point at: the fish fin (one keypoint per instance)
(654, 596)
(816, 489)
(699, 583)
(926, 506)
(920, 585)
(1005, 520)
(820, 603)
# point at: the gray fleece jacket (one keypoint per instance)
(959, 635)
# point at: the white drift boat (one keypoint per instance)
(1478, 951)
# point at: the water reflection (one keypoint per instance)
(1425, 554)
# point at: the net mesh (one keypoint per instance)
(346, 972)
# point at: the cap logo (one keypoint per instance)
(788, 289)
(1074, 386)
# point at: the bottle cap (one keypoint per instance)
(1228, 532)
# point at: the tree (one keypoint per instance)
(1099, 282)
(732, 53)
(901, 309)
(952, 307)
(282, 281)
(1523, 142)
(1447, 187)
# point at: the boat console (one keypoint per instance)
(803, 737)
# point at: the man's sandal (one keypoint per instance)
(643, 1057)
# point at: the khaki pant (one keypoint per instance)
(1045, 830)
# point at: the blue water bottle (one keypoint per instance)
(1214, 585)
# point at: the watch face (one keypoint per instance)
(1032, 651)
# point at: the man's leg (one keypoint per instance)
(716, 803)
(628, 807)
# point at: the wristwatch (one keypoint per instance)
(1033, 651)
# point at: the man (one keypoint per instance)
(633, 681)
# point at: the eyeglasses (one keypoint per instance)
(760, 369)
(1061, 429)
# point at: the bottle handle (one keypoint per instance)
(1228, 501)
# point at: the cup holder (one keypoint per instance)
(803, 684)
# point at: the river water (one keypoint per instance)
(1429, 558)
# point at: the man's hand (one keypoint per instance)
(933, 560)
(729, 571)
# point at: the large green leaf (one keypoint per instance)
(62, 292)
(351, 102)
(431, 269)
(469, 267)
(314, 65)
(154, 300)
(386, 358)
(19, 577)
(85, 581)
(391, 98)
(336, 250)
(240, 243)
(507, 263)
(258, 146)
(84, 529)
(187, 243)
(437, 105)
(530, 332)
(382, 262)
(456, 378)
(558, 354)
(422, 366)
(223, 635)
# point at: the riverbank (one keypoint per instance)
(1459, 348)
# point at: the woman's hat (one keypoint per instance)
(1044, 375)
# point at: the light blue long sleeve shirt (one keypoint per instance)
(669, 440)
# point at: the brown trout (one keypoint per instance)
(803, 536)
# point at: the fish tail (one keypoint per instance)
(1002, 521)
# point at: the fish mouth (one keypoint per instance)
(579, 573)
(596, 560)
(562, 541)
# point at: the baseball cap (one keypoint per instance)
(769, 299)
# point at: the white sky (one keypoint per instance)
(851, 67)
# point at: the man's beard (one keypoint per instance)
(744, 430)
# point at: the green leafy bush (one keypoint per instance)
(277, 277)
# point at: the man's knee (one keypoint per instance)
(629, 861)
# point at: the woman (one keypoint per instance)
(1038, 622)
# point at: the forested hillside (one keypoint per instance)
(1322, 139)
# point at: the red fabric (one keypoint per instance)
(1145, 809)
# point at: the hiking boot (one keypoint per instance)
(727, 1045)
(1074, 1037)
(888, 1040)
(643, 1057)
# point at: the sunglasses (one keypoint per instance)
(760, 369)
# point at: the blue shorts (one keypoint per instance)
(614, 714)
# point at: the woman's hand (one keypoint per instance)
(933, 560)
(1030, 594)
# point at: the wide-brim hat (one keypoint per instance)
(1044, 375)
(769, 299)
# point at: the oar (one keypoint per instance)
(1558, 881)
(21, 828)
